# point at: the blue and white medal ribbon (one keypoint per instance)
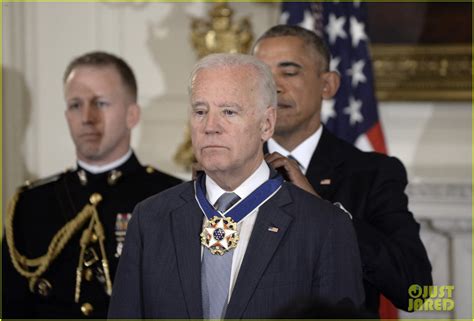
(220, 233)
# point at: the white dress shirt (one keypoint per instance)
(245, 226)
(94, 169)
(302, 153)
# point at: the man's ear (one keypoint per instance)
(268, 123)
(331, 82)
(133, 115)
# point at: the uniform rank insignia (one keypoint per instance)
(220, 233)
(121, 224)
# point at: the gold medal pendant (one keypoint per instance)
(220, 235)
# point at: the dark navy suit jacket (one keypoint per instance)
(312, 258)
(371, 186)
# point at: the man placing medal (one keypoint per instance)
(239, 241)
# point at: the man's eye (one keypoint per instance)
(290, 73)
(74, 105)
(101, 104)
(199, 112)
(229, 112)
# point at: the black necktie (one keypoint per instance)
(293, 158)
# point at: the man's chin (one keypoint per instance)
(213, 165)
(91, 154)
(212, 168)
(283, 129)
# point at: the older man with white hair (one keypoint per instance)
(239, 241)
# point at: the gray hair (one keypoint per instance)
(264, 80)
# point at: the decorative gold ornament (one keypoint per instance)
(113, 177)
(82, 177)
(423, 72)
(218, 34)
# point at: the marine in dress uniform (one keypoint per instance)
(75, 283)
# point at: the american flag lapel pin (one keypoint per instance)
(326, 181)
(273, 229)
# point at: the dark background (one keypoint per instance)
(419, 23)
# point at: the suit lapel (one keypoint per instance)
(260, 250)
(186, 227)
(324, 171)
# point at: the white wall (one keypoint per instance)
(432, 138)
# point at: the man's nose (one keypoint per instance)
(278, 84)
(89, 114)
(213, 125)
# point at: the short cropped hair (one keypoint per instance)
(265, 78)
(316, 43)
(103, 59)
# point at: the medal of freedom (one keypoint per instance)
(220, 235)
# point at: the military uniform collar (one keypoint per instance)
(112, 175)
(94, 169)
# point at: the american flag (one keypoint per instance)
(352, 115)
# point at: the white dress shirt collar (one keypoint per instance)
(260, 176)
(94, 169)
(303, 152)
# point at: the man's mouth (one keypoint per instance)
(284, 105)
(90, 135)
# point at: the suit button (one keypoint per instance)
(87, 309)
(95, 198)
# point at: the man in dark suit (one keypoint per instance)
(368, 186)
(264, 249)
(65, 233)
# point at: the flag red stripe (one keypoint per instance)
(386, 309)
(376, 138)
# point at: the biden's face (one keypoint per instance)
(228, 123)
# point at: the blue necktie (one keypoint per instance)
(215, 271)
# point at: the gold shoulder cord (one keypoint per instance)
(95, 226)
(23, 265)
